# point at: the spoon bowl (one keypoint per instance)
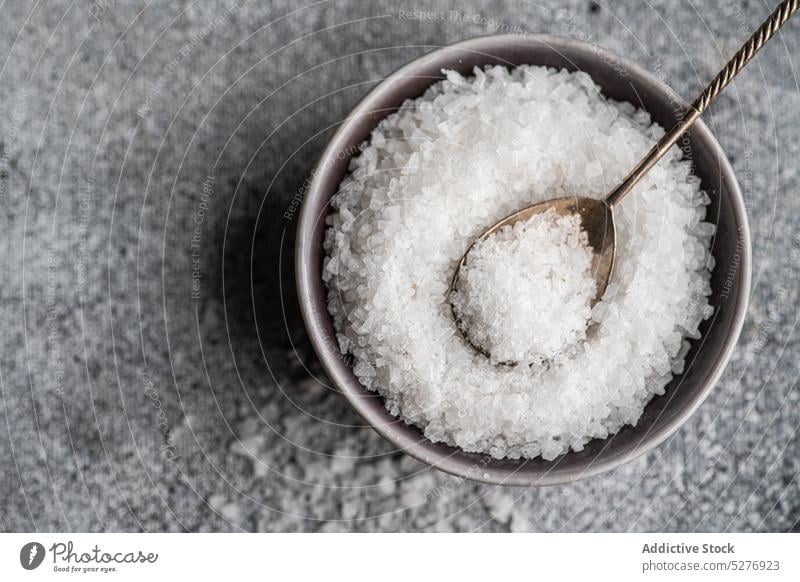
(597, 220)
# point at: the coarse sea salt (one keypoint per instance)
(524, 293)
(433, 177)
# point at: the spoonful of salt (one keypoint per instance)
(597, 216)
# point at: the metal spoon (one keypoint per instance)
(597, 216)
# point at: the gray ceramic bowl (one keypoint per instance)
(619, 79)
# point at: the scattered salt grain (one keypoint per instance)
(342, 463)
(500, 505)
(334, 527)
(350, 509)
(519, 522)
(231, 512)
(447, 165)
(249, 448)
(418, 489)
(386, 486)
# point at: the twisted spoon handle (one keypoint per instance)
(759, 38)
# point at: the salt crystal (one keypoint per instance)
(350, 509)
(386, 486)
(231, 512)
(216, 501)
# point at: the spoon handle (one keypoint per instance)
(759, 38)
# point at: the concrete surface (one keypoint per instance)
(149, 149)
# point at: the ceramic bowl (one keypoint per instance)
(619, 79)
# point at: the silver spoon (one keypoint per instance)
(597, 216)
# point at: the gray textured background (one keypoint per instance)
(127, 405)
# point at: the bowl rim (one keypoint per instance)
(353, 391)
